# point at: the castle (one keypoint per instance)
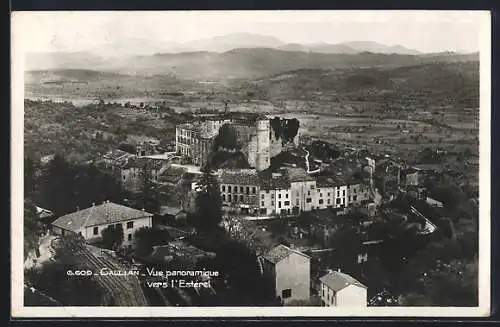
(257, 139)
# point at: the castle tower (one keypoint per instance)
(263, 160)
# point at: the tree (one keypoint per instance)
(208, 202)
(147, 237)
(30, 180)
(31, 228)
(227, 138)
(149, 195)
(112, 237)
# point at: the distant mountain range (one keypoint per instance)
(235, 63)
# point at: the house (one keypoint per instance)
(168, 214)
(324, 223)
(341, 290)
(412, 175)
(47, 159)
(135, 170)
(44, 215)
(290, 271)
(239, 189)
(90, 222)
(116, 158)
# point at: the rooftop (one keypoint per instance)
(117, 154)
(281, 252)
(337, 281)
(102, 214)
(172, 211)
(141, 162)
(239, 176)
(298, 174)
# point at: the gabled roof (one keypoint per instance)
(117, 154)
(166, 210)
(337, 280)
(281, 252)
(239, 177)
(43, 213)
(106, 213)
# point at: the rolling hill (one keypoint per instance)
(240, 63)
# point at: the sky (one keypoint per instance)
(426, 31)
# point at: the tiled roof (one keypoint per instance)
(102, 214)
(280, 252)
(166, 210)
(44, 213)
(336, 281)
(298, 174)
(117, 154)
(239, 177)
(141, 162)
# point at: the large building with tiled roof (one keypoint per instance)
(290, 271)
(90, 222)
(342, 290)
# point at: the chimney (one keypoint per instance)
(93, 204)
(338, 269)
(77, 208)
(143, 209)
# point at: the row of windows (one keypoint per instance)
(235, 198)
(130, 225)
(242, 189)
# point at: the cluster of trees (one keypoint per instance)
(31, 227)
(147, 237)
(227, 138)
(63, 187)
(285, 129)
(323, 150)
(52, 279)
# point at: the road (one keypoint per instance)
(307, 164)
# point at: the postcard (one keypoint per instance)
(251, 164)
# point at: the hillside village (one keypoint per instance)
(282, 218)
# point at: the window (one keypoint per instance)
(355, 198)
(343, 193)
(223, 197)
(279, 195)
(96, 230)
(338, 193)
(223, 188)
(262, 204)
(286, 195)
(308, 200)
(229, 189)
(279, 204)
(328, 194)
(298, 203)
(262, 196)
(308, 192)
(241, 189)
(320, 201)
(248, 190)
(241, 198)
(312, 187)
(129, 237)
(337, 201)
(287, 203)
(321, 195)
(229, 197)
(254, 190)
(130, 224)
(328, 201)
(349, 199)
(286, 293)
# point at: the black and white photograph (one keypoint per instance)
(250, 163)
